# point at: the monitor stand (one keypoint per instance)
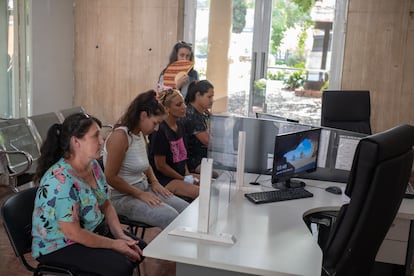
(288, 184)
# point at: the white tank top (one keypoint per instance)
(135, 162)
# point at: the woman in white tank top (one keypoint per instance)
(136, 192)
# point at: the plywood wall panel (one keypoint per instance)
(120, 48)
(375, 58)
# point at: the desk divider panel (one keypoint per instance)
(207, 212)
(240, 142)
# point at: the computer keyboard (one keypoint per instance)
(279, 195)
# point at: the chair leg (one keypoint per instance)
(143, 233)
(138, 270)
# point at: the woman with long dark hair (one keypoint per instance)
(74, 222)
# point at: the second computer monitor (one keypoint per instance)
(295, 154)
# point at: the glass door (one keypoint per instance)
(279, 56)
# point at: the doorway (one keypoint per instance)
(276, 65)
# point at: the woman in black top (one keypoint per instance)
(168, 153)
(199, 100)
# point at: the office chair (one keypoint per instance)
(347, 110)
(16, 214)
(379, 175)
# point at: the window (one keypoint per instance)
(14, 58)
(257, 67)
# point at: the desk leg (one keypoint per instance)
(191, 270)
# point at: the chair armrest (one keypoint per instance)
(5, 163)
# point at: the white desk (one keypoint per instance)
(271, 239)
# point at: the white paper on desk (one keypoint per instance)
(323, 148)
(346, 151)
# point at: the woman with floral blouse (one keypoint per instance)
(74, 223)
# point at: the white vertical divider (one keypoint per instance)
(240, 160)
(203, 232)
(204, 195)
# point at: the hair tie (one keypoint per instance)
(58, 128)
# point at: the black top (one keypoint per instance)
(170, 144)
(195, 122)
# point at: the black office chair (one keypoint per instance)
(134, 226)
(348, 110)
(376, 186)
(16, 214)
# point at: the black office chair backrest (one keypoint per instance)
(346, 109)
(376, 186)
(17, 213)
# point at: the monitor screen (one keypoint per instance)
(295, 154)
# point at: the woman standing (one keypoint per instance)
(199, 100)
(181, 51)
(137, 193)
(168, 153)
(74, 223)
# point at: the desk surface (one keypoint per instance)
(271, 239)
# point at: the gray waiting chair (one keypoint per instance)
(20, 151)
(41, 123)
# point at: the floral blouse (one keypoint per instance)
(62, 196)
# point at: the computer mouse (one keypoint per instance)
(334, 190)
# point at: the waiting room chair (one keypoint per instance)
(64, 113)
(16, 136)
(133, 225)
(9, 177)
(16, 214)
(376, 186)
(41, 123)
(347, 110)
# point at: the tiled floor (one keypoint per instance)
(10, 264)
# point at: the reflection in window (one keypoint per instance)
(13, 72)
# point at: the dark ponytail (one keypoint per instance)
(57, 143)
(147, 102)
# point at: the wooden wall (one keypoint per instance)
(120, 48)
(379, 57)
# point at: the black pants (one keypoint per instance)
(84, 260)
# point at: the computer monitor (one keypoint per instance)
(295, 154)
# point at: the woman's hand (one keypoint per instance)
(181, 81)
(150, 199)
(129, 248)
(160, 190)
